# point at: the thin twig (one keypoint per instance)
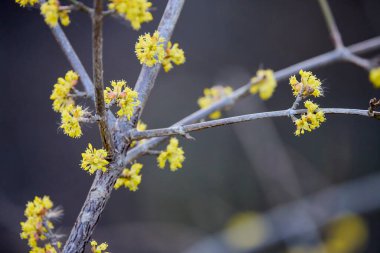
(318, 61)
(81, 6)
(181, 130)
(333, 28)
(97, 53)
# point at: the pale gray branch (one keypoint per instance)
(182, 130)
(330, 21)
(148, 75)
(243, 91)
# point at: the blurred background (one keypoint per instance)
(252, 187)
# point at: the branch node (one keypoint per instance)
(373, 104)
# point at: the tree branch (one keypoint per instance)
(182, 130)
(318, 61)
(330, 21)
(97, 54)
(148, 75)
(102, 186)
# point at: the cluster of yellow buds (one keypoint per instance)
(374, 77)
(173, 154)
(94, 159)
(63, 102)
(125, 98)
(173, 54)
(311, 120)
(150, 51)
(95, 248)
(52, 13)
(135, 11)
(263, 83)
(24, 3)
(130, 178)
(309, 83)
(212, 95)
(39, 214)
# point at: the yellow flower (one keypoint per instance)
(136, 11)
(141, 126)
(266, 86)
(35, 227)
(150, 49)
(173, 54)
(24, 3)
(173, 154)
(310, 83)
(125, 97)
(50, 10)
(70, 118)
(98, 249)
(61, 91)
(94, 159)
(130, 178)
(374, 77)
(213, 95)
(311, 120)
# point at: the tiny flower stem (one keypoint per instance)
(153, 152)
(52, 238)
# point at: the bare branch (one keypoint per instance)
(182, 130)
(148, 75)
(333, 28)
(81, 6)
(243, 91)
(97, 53)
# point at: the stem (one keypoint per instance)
(181, 130)
(318, 61)
(148, 75)
(97, 53)
(333, 28)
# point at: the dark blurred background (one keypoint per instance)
(232, 176)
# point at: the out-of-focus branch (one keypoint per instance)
(333, 28)
(285, 220)
(81, 6)
(183, 130)
(337, 38)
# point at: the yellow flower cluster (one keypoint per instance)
(311, 120)
(94, 159)
(213, 95)
(37, 224)
(136, 11)
(61, 91)
(374, 77)
(50, 10)
(173, 154)
(150, 49)
(24, 3)
(130, 178)
(95, 248)
(310, 83)
(70, 118)
(264, 83)
(141, 126)
(173, 54)
(125, 97)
